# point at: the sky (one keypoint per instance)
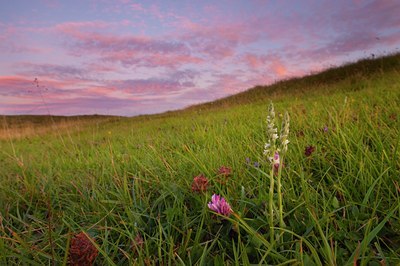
(126, 57)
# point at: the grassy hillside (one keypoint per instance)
(127, 183)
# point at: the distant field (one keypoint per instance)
(20, 126)
(127, 183)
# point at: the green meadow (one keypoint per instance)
(126, 183)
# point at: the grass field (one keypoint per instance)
(126, 183)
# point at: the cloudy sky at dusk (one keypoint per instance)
(127, 57)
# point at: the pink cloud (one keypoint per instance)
(266, 63)
(15, 86)
(51, 3)
(161, 87)
(373, 16)
(170, 60)
(200, 95)
(52, 71)
(253, 61)
(101, 68)
(134, 58)
(50, 89)
(216, 41)
(127, 50)
(99, 90)
(14, 41)
(101, 104)
(79, 29)
(137, 7)
(231, 83)
(64, 96)
(313, 43)
(279, 69)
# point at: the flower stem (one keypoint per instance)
(271, 205)
(280, 205)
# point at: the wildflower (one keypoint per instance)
(285, 143)
(267, 147)
(82, 251)
(256, 164)
(224, 171)
(285, 132)
(273, 150)
(199, 184)
(325, 129)
(218, 204)
(138, 242)
(276, 162)
(309, 150)
(277, 143)
(248, 161)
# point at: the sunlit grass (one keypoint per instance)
(126, 180)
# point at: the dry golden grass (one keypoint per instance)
(14, 128)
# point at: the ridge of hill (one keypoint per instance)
(355, 71)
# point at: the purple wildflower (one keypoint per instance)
(326, 129)
(256, 164)
(309, 150)
(218, 204)
(276, 162)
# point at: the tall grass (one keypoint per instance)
(126, 180)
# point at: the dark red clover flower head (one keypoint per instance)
(138, 242)
(309, 150)
(199, 184)
(82, 251)
(224, 171)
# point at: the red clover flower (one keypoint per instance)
(82, 251)
(199, 184)
(309, 150)
(224, 171)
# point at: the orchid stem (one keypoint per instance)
(271, 205)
